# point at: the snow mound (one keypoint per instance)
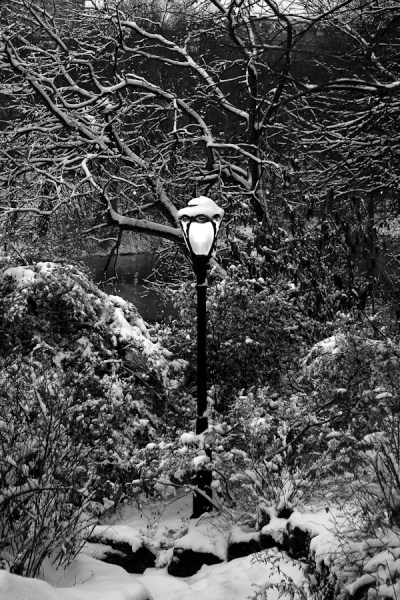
(315, 523)
(14, 587)
(199, 542)
(118, 533)
(235, 580)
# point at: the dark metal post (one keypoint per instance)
(202, 477)
(201, 421)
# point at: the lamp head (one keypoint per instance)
(200, 222)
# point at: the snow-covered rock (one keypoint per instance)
(194, 550)
(120, 545)
(242, 542)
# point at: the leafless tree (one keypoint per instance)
(130, 108)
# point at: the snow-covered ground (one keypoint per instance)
(87, 578)
(269, 575)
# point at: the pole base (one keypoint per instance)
(201, 424)
(202, 479)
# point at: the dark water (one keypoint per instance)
(128, 279)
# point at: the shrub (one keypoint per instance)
(47, 476)
(354, 379)
(301, 434)
(355, 375)
(82, 388)
(258, 330)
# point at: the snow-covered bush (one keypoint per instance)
(355, 374)
(47, 475)
(302, 435)
(270, 435)
(257, 332)
(82, 388)
(268, 455)
(354, 379)
(370, 486)
(329, 255)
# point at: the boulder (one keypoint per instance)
(298, 542)
(186, 562)
(192, 551)
(133, 555)
(121, 554)
(242, 542)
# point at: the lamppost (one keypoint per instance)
(200, 222)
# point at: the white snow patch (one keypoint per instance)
(352, 588)
(118, 300)
(388, 559)
(87, 346)
(45, 267)
(389, 591)
(188, 438)
(198, 461)
(236, 580)
(21, 275)
(121, 327)
(123, 304)
(276, 528)
(315, 522)
(326, 549)
(151, 446)
(197, 541)
(14, 587)
(328, 346)
(121, 532)
(89, 579)
(239, 535)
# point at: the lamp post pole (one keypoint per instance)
(202, 477)
(201, 287)
(200, 222)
